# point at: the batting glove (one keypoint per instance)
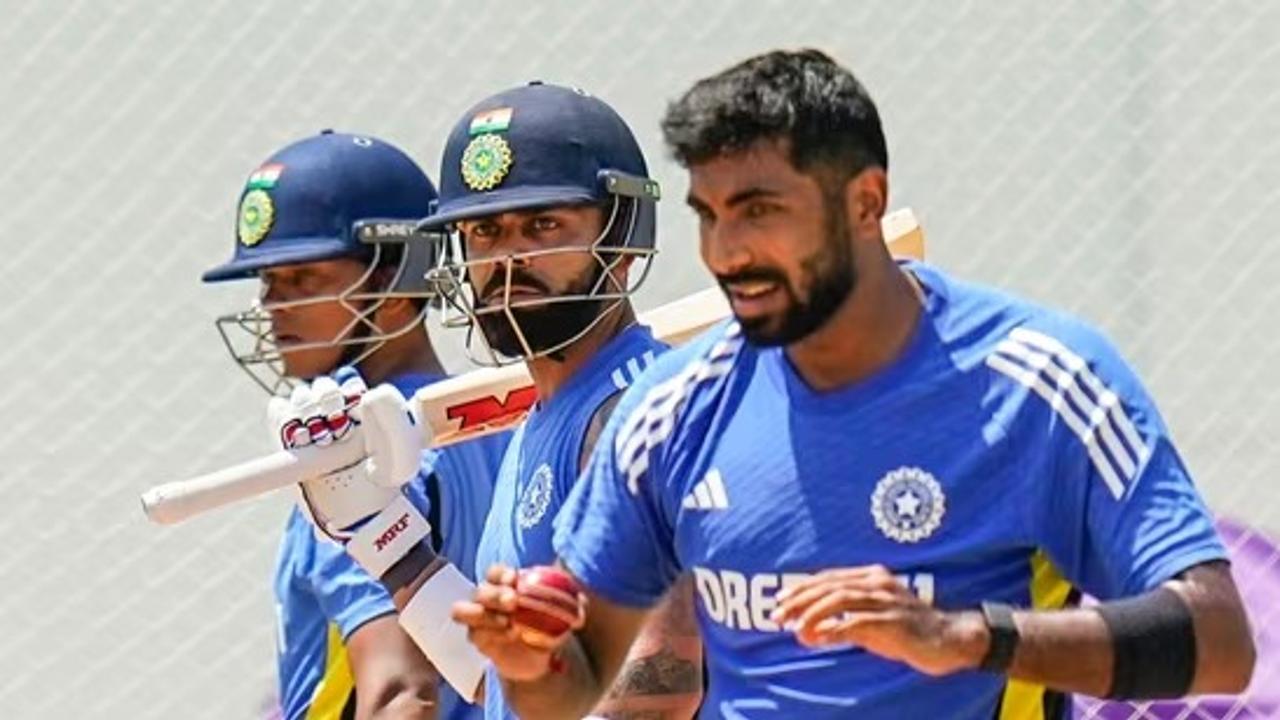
(361, 504)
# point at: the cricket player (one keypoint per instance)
(548, 203)
(889, 484)
(327, 226)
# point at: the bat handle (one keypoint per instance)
(175, 502)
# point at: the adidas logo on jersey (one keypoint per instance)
(708, 494)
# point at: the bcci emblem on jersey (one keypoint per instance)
(908, 505)
(536, 498)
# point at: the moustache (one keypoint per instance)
(499, 282)
(752, 275)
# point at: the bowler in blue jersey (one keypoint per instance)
(889, 485)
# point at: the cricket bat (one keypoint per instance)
(464, 407)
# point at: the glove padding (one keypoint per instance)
(329, 411)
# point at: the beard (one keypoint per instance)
(545, 328)
(829, 275)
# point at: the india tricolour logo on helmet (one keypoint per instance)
(265, 177)
(490, 121)
(256, 214)
(908, 505)
(486, 162)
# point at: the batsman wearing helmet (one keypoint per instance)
(327, 226)
(549, 213)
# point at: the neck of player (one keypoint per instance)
(410, 353)
(550, 374)
(869, 330)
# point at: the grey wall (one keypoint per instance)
(1119, 159)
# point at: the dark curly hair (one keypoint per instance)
(803, 97)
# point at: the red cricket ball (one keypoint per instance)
(546, 605)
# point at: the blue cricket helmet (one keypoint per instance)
(329, 196)
(543, 145)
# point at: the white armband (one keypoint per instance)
(388, 536)
(427, 620)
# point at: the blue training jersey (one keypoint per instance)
(1008, 454)
(323, 596)
(541, 466)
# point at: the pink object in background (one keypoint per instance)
(1255, 564)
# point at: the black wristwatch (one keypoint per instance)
(1004, 637)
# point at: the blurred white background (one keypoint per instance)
(1118, 159)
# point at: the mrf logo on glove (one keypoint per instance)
(391, 533)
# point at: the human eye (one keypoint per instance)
(544, 223)
(484, 229)
(759, 209)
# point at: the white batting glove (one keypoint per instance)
(362, 506)
(323, 413)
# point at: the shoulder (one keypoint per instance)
(1053, 352)
(674, 394)
(990, 330)
(640, 351)
(595, 428)
(708, 355)
(686, 372)
(1049, 376)
(969, 319)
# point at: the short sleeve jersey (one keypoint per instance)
(1007, 454)
(542, 465)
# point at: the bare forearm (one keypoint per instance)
(1219, 652)
(663, 685)
(662, 676)
(568, 692)
(1067, 650)
(406, 706)
(1218, 655)
(1046, 637)
(591, 659)
(1225, 653)
(393, 681)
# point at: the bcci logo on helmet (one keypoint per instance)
(908, 505)
(485, 162)
(256, 215)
